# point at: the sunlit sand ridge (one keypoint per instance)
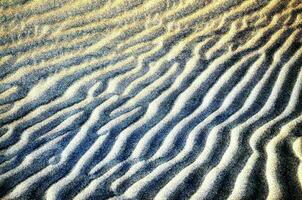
(144, 99)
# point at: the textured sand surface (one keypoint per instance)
(151, 99)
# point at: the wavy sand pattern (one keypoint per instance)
(151, 99)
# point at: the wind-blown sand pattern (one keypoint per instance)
(158, 99)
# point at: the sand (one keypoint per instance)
(164, 99)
